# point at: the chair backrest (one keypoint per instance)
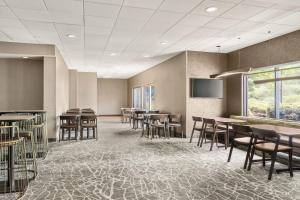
(153, 111)
(5, 133)
(197, 119)
(265, 134)
(68, 120)
(241, 129)
(161, 118)
(209, 121)
(176, 118)
(88, 119)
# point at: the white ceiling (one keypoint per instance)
(132, 30)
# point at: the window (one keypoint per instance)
(144, 97)
(273, 93)
(137, 97)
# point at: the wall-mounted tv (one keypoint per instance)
(208, 88)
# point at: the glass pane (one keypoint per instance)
(290, 95)
(261, 96)
(152, 106)
(146, 100)
(137, 97)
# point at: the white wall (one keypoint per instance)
(112, 95)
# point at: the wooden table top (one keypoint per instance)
(226, 120)
(281, 130)
(15, 118)
(23, 111)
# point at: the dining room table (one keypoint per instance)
(282, 131)
(12, 120)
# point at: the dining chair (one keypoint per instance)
(69, 124)
(242, 135)
(175, 123)
(138, 117)
(13, 160)
(196, 127)
(211, 127)
(157, 123)
(88, 122)
(271, 147)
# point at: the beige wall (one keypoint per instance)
(21, 84)
(50, 94)
(169, 80)
(202, 65)
(26, 49)
(87, 90)
(73, 88)
(279, 50)
(112, 95)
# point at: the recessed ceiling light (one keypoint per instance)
(71, 36)
(211, 9)
(238, 38)
(163, 42)
(218, 46)
(25, 57)
(269, 32)
(146, 56)
(113, 54)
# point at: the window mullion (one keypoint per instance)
(277, 94)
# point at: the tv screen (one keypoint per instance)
(209, 88)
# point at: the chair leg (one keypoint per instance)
(251, 158)
(213, 141)
(63, 134)
(230, 152)
(247, 155)
(264, 159)
(192, 134)
(291, 162)
(273, 157)
(200, 139)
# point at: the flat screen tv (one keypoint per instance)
(208, 88)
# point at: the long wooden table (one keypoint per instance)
(12, 120)
(284, 131)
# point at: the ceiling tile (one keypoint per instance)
(291, 19)
(277, 29)
(152, 4)
(27, 4)
(2, 3)
(266, 4)
(66, 18)
(4, 37)
(34, 15)
(220, 5)
(99, 21)
(101, 10)
(11, 23)
(195, 20)
(43, 26)
(18, 34)
(222, 23)
(5, 12)
(115, 2)
(132, 25)
(179, 5)
(73, 7)
(269, 15)
(242, 12)
(95, 30)
(166, 17)
(135, 13)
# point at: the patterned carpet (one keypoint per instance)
(122, 165)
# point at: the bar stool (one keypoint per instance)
(40, 135)
(196, 128)
(211, 127)
(88, 122)
(26, 131)
(13, 159)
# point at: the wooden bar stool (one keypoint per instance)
(196, 128)
(211, 127)
(272, 147)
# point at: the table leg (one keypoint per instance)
(11, 175)
(226, 136)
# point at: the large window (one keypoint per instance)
(144, 97)
(137, 97)
(273, 93)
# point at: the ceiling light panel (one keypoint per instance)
(220, 5)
